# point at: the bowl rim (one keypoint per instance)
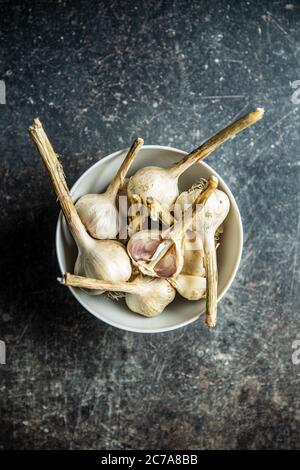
(136, 329)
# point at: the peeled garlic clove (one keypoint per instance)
(162, 183)
(189, 286)
(144, 295)
(98, 212)
(96, 258)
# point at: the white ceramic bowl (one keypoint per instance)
(180, 312)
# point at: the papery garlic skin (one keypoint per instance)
(99, 215)
(155, 182)
(154, 297)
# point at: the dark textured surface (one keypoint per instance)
(98, 74)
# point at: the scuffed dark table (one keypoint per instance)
(98, 74)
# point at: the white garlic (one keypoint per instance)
(99, 212)
(162, 183)
(144, 295)
(189, 286)
(102, 259)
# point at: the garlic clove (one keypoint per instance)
(189, 286)
(154, 297)
(170, 264)
(142, 245)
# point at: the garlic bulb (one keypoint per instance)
(144, 295)
(189, 286)
(99, 212)
(162, 183)
(102, 259)
(161, 254)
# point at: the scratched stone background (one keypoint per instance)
(98, 74)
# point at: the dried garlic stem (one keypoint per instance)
(96, 284)
(144, 295)
(210, 261)
(56, 173)
(118, 180)
(214, 142)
